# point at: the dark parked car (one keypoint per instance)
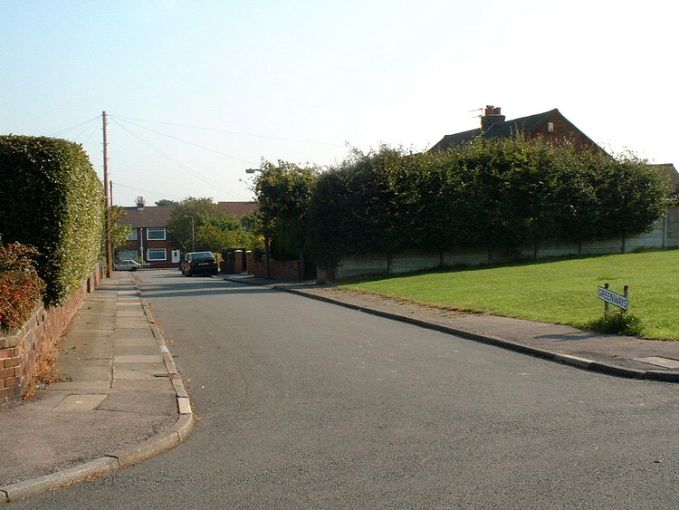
(199, 262)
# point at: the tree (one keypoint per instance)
(186, 218)
(504, 195)
(197, 224)
(164, 202)
(119, 231)
(284, 192)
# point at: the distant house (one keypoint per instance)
(148, 241)
(550, 126)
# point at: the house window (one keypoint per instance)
(155, 234)
(132, 236)
(155, 254)
(128, 254)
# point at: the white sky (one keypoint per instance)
(299, 80)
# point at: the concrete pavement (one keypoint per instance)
(120, 399)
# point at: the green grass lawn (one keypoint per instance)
(562, 292)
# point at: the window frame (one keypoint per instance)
(148, 232)
(150, 259)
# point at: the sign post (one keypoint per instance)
(612, 298)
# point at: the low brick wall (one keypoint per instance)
(22, 349)
(281, 270)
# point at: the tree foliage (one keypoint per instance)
(164, 202)
(119, 231)
(20, 286)
(197, 224)
(52, 199)
(502, 195)
(284, 192)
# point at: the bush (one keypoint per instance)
(51, 198)
(618, 323)
(501, 195)
(20, 286)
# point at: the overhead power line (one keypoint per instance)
(54, 133)
(176, 162)
(248, 161)
(232, 132)
(134, 188)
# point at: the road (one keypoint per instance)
(304, 404)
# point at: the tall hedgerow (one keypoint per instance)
(501, 195)
(51, 198)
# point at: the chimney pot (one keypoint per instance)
(492, 115)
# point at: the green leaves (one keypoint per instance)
(197, 224)
(496, 194)
(284, 192)
(20, 286)
(51, 198)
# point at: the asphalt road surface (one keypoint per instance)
(303, 404)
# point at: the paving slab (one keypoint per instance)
(85, 372)
(109, 401)
(151, 385)
(137, 358)
(133, 333)
(661, 362)
(149, 341)
(79, 386)
(131, 323)
(147, 349)
(83, 402)
(134, 371)
(139, 402)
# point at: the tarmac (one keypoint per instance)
(121, 399)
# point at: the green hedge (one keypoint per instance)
(500, 195)
(52, 199)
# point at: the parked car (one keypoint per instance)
(199, 262)
(127, 265)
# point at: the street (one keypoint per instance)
(303, 404)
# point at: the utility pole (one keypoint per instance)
(107, 193)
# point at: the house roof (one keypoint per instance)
(152, 216)
(506, 129)
(670, 172)
(238, 209)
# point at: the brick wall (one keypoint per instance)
(21, 349)
(281, 270)
(564, 130)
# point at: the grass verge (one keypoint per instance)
(561, 292)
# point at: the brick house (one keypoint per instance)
(148, 242)
(554, 127)
(550, 126)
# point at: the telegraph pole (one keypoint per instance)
(107, 193)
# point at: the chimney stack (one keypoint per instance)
(140, 203)
(491, 115)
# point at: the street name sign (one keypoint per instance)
(613, 298)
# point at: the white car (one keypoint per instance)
(127, 265)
